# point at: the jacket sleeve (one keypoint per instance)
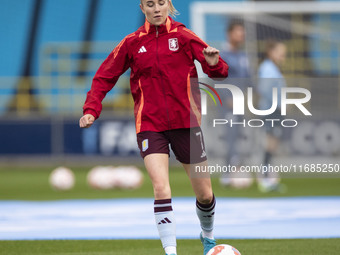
(220, 70)
(105, 78)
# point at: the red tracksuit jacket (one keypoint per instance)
(162, 62)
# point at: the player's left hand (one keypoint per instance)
(86, 121)
(211, 55)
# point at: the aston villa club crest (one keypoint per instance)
(173, 44)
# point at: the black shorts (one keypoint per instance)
(186, 143)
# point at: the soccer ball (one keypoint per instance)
(101, 177)
(62, 178)
(109, 177)
(128, 177)
(241, 180)
(223, 249)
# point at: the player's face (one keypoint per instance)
(237, 35)
(156, 11)
(278, 54)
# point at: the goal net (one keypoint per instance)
(311, 32)
(310, 29)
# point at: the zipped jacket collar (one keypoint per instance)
(169, 26)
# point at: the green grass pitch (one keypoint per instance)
(28, 183)
(153, 247)
(23, 183)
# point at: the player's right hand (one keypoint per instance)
(86, 121)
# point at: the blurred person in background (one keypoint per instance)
(270, 77)
(237, 59)
(161, 56)
(239, 72)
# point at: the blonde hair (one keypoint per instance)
(172, 10)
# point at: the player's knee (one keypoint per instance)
(205, 198)
(162, 191)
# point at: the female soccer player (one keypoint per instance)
(161, 56)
